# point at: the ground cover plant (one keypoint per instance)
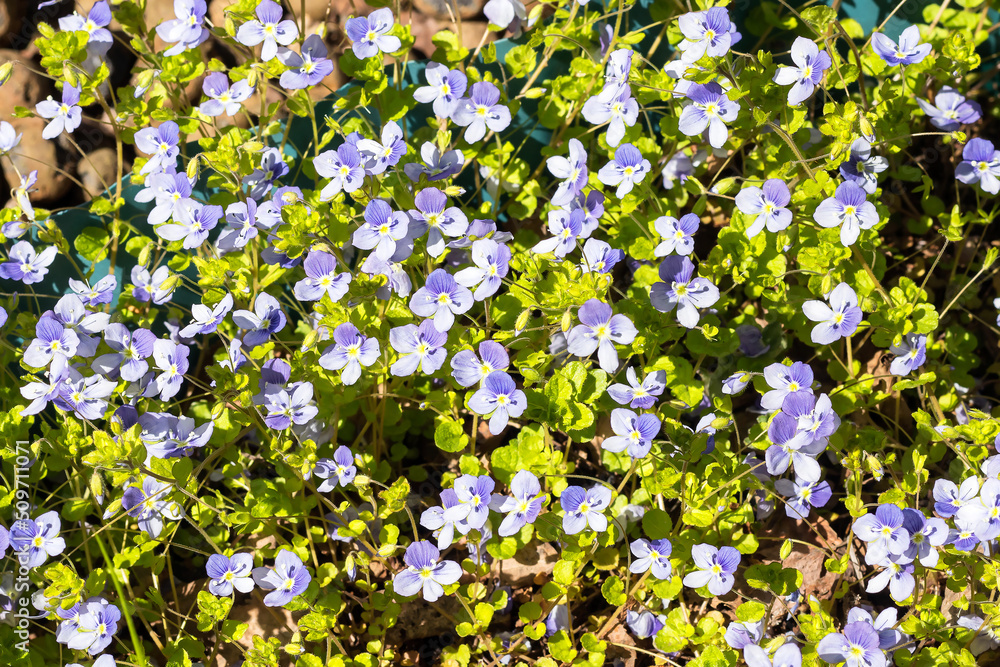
(653, 333)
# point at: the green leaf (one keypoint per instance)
(614, 591)
(92, 243)
(449, 435)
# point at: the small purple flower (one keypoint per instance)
(681, 166)
(751, 341)
(980, 164)
(54, 344)
(735, 383)
(767, 205)
(599, 257)
(434, 214)
(810, 65)
(506, 14)
(625, 171)
(349, 352)
(85, 397)
(370, 36)
(862, 167)
(802, 496)
(925, 535)
(715, 568)
(191, 225)
(150, 505)
(837, 320)
(644, 624)
(677, 235)
(205, 319)
(651, 556)
(785, 381)
(523, 506)
(741, 635)
(951, 110)
(884, 533)
(469, 370)
(160, 144)
(613, 105)
(986, 638)
(633, 433)
(266, 319)
(599, 330)
(474, 494)
(787, 655)
(223, 98)
(815, 418)
(911, 353)
(984, 515)
(131, 349)
(269, 29)
(424, 573)
(293, 405)
(434, 520)
(33, 541)
(187, 30)
(343, 167)
(259, 181)
(948, 498)
(711, 109)
(25, 265)
(481, 110)
(858, 646)
(288, 579)
(172, 360)
(417, 348)
(909, 51)
(340, 470)
(96, 627)
(242, 222)
(790, 449)
(679, 288)
(639, 396)
(229, 573)
(321, 278)
(444, 88)
(710, 33)
(306, 69)
(382, 230)
(585, 508)
(565, 228)
(571, 172)
(99, 39)
(850, 210)
(63, 116)
(500, 398)
(171, 194)
(441, 298)
(437, 166)
(492, 262)
(97, 295)
(385, 153)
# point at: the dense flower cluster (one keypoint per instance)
(338, 369)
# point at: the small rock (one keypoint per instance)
(23, 89)
(98, 170)
(445, 9)
(530, 565)
(11, 14)
(318, 10)
(36, 153)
